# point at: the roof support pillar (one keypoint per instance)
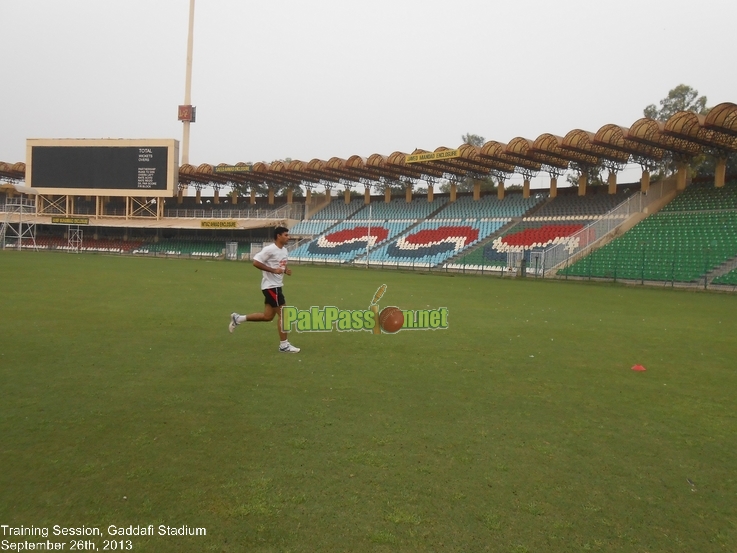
(271, 196)
(253, 196)
(216, 198)
(387, 194)
(198, 197)
(180, 196)
(234, 197)
(612, 181)
(453, 190)
(720, 172)
(290, 195)
(526, 188)
(583, 180)
(476, 190)
(553, 186)
(500, 190)
(347, 196)
(681, 176)
(408, 193)
(367, 195)
(430, 191)
(645, 181)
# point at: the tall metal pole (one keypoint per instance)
(188, 84)
(368, 238)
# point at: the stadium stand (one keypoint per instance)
(432, 242)
(554, 222)
(688, 238)
(100, 246)
(489, 207)
(569, 206)
(348, 240)
(311, 227)
(337, 210)
(728, 279)
(400, 210)
(190, 246)
(450, 229)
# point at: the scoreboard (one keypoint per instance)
(103, 167)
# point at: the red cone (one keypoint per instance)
(638, 368)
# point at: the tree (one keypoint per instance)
(466, 185)
(473, 139)
(681, 98)
(593, 174)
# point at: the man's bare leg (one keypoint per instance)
(268, 315)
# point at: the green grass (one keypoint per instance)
(124, 400)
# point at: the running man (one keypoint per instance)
(272, 261)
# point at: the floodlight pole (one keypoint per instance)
(368, 238)
(188, 84)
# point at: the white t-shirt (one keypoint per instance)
(273, 257)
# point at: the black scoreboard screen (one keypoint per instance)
(100, 167)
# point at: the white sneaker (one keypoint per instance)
(233, 322)
(289, 348)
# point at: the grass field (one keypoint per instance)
(125, 401)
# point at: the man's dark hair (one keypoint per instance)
(280, 230)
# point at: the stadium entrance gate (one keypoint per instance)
(537, 262)
(513, 259)
(231, 250)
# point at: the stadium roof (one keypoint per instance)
(13, 171)
(683, 136)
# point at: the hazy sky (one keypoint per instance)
(315, 79)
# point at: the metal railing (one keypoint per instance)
(586, 239)
(290, 211)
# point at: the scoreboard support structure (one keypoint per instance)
(132, 207)
(16, 208)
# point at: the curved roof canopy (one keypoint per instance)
(723, 118)
(583, 143)
(13, 171)
(613, 137)
(684, 135)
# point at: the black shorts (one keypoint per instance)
(274, 297)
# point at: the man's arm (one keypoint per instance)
(263, 267)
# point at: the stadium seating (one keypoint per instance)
(704, 197)
(489, 207)
(311, 227)
(691, 236)
(570, 206)
(400, 210)
(347, 240)
(728, 279)
(337, 210)
(103, 245)
(554, 222)
(185, 246)
(432, 242)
